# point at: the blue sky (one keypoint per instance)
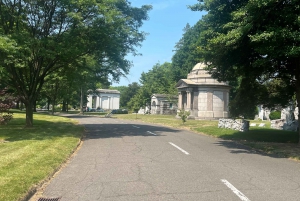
(165, 28)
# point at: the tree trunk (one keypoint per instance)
(298, 101)
(298, 122)
(297, 77)
(48, 105)
(81, 101)
(29, 114)
(53, 106)
(18, 105)
(34, 106)
(64, 107)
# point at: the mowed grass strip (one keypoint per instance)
(271, 141)
(29, 155)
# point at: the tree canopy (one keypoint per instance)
(186, 55)
(156, 80)
(256, 41)
(40, 38)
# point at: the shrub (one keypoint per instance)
(6, 102)
(275, 115)
(5, 117)
(119, 111)
(183, 115)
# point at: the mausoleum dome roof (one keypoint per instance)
(198, 72)
(199, 75)
(199, 66)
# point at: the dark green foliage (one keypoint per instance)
(275, 115)
(157, 80)
(240, 106)
(239, 41)
(186, 52)
(257, 42)
(126, 93)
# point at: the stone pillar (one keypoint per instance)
(225, 100)
(225, 109)
(97, 102)
(100, 102)
(209, 100)
(188, 104)
(109, 105)
(179, 100)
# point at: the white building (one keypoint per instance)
(163, 104)
(105, 99)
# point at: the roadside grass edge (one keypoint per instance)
(32, 192)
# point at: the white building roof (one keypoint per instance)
(107, 91)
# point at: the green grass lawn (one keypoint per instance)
(265, 139)
(30, 155)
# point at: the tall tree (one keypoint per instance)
(156, 80)
(258, 41)
(126, 93)
(43, 36)
(186, 57)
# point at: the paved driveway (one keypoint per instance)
(125, 160)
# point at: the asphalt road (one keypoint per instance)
(125, 160)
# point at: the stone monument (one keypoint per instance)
(203, 96)
(288, 121)
(163, 104)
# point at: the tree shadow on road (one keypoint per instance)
(274, 150)
(104, 130)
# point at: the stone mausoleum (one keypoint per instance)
(104, 98)
(203, 96)
(163, 104)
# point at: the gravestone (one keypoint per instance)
(288, 114)
(141, 111)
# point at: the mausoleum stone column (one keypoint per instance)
(225, 101)
(100, 101)
(179, 100)
(210, 100)
(188, 104)
(109, 102)
(97, 101)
